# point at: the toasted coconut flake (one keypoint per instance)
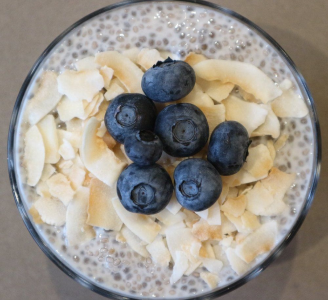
(174, 206)
(77, 231)
(239, 237)
(68, 110)
(259, 161)
(134, 242)
(286, 84)
(195, 249)
(235, 206)
(48, 170)
(203, 214)
(203, 252)
(113, 91)
(64, 165)
(251, 115)
(45, 98)
(82, 85)
(191, 217)
(51, 211)
(227, 226)
(278, 183)
(218, 90)
(124, 69)
(99, 99)
(244, 189)
(214, 115)
(87, 63)
(241, 177)
(100, 115)
(66, 150)
(237, 222)
(290, 105)
(250, 221)
(101, 212)
(34, 155)
(281, 141)
(247, 96)
(107, 74)
(193, 58)
(141, 225)
(176, 225)
(74, 125)
(98, 159)
(203, 231)
(260, 241)
(91, 108)
(42, 190)
(159, 252)
(148, 57)
(180, 267)
(258, 199)
(214, 215)
(59, 187)
(168, 218)
(120, 238)
(271, 126)
(209, 248)
(132, 54)
(224, 193)
(78, 162)
(247, 76)
(236, 263)
(226, 242)
(102, 130)
(212, 265)
(35, 215)
(220, 254)
(74, 138)
(271, 149)
(109, 141)
(48, 130)
(76, 177)
(197, 97)
(232, 193)
(212, 280)
(180, 239)
(276, 208)
(192, 268)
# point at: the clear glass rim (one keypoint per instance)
(214, 293)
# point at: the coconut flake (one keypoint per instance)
(45, 98)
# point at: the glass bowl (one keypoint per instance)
(192, 11)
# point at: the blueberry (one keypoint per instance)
(198, 184)
(143, 147)
(169, 80)
(144, 189)
(183, 129)
(228, 147)
(128, 113)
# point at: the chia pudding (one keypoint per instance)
(179, 29)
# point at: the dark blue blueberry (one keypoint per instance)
(143, 147)
(144, 189)
(128, 113)
(183, 129)
(198, 184)
(228, 147)
(169, 80)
